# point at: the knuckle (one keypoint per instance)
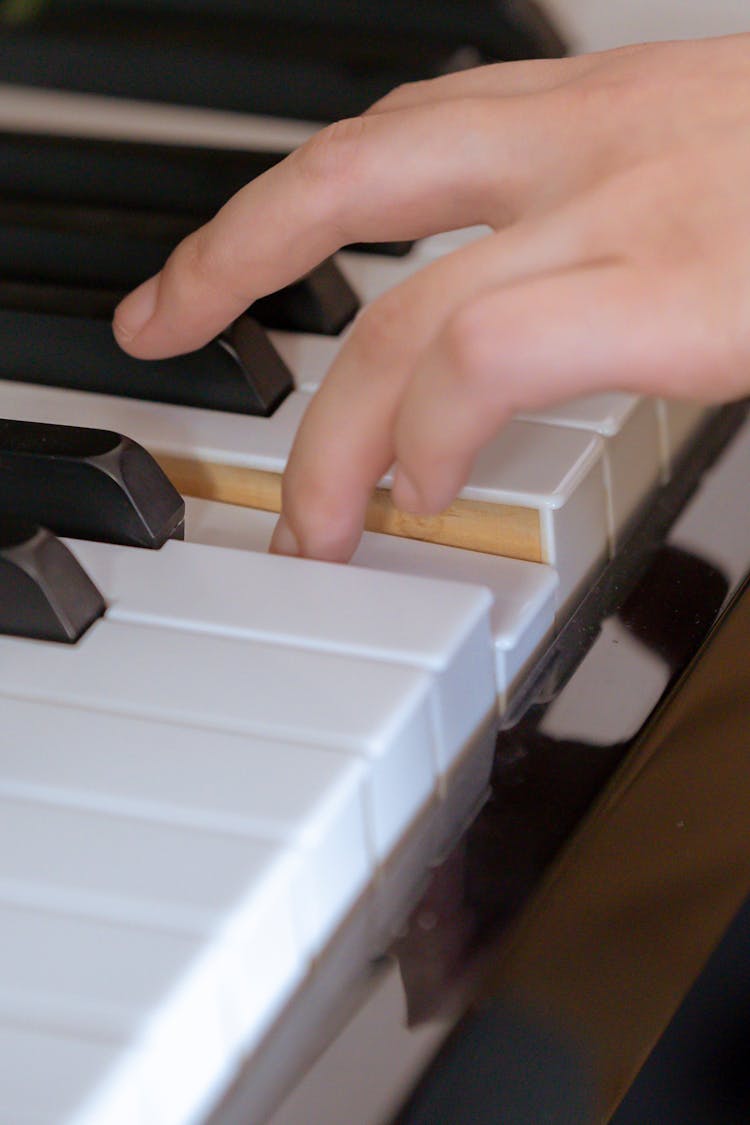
(590, 100)
(471, 348)
(315, 509)
(332, 154)
(209, 260)
(574, 104)
(406, 92)
(379, 329)
(477, 118)
(198, 261)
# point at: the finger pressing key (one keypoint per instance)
(346, 441)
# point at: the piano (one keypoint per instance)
(222, 804)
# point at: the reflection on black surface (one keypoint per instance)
(673, 608)
(601, 960)
(557, 1039)
(542, 785)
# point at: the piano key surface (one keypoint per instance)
(272, 690)
(73, 1066)
(197, 832)
(529, 496)
(524, 594)
(60, 976)
(319, 607)
(308, 798)
(632, 456)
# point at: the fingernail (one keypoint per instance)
(133, 314)
(283, 540)
(404, 493)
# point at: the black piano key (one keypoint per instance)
(87, 484)
(313, 60)
(389, 249)
(45, 249)
(115, 261)
(323, 301)
(61, 300)
(137, 188)
(163, 226)
(93, 171)
(56, 336)
(44, 591)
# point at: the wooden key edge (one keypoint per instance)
(474, 525)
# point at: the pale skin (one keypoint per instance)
(617, 186)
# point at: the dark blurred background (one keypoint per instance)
(298, 58)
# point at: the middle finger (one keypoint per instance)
(346, 440)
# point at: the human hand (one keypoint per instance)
(618, 189)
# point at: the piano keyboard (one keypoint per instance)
(244, 749)
(556, 488)
(196, 794)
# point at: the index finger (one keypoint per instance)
(387, 176)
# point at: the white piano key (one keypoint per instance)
(228, 525)
(93, 977)
(47, 1078)
(318, 606)
(560, 472)
(303, 797)
(156, 992)
(58, 111)
(629, 426)
(523, 612)
(372, 275)
(679, 421)
(438, 245)
(524, 594)
(179, 431)
(234, 893)
(307, 356)
(378, 711)
(552, 468)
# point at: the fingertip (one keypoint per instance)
(430, 498)
(311, 532)
(134, 312)
(283, 540)
(405, 494)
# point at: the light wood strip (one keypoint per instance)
(495, 529)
